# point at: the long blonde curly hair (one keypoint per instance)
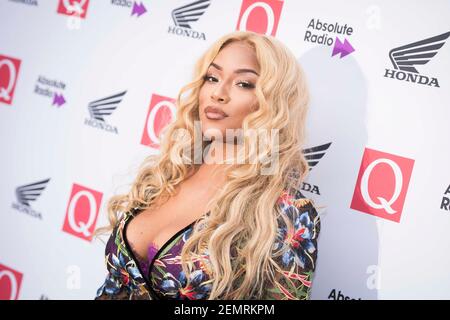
(240, 229)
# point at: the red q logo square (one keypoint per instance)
(161, 112)
(9, 70)
(76, 8)
(382, 184)
(10, 282)
(82, 211)
(260, 16)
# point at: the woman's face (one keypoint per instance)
(227, 95)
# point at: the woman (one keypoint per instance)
(221, 217)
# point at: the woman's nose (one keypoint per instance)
(219, 96)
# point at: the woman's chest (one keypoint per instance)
(154, 226)
(164, 277)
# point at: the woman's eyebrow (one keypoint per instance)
(235, 71)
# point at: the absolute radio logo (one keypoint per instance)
(313, 156)
(339, 296)
(260, 16)
(161, 112)
(76, 8)
(407, 58)
(27, 193)
(51, 88)
(382, 183)
(101, 108)
(137, 7)
(9, 71)
(323, 33)
(82, 212)
(10, 283)
(445, 203)
(185, 15)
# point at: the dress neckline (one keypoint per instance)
(131, 214)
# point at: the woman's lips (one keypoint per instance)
(214, 113)
(214, 116)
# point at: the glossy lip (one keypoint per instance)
(215, 110)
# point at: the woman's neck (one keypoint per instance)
(220, 153)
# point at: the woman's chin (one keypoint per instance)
(211, 132)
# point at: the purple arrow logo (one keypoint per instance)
(138, 9)
(342, 48)
(58, 99)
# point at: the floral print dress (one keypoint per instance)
(163, 278)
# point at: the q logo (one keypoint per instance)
(161, 112)
(10, 281)
(260, 16)
(82, 211)
(382, 184)
(76, 8)
(9, 70)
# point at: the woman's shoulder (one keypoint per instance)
(123, 216)
(299, 210)
(299, 228)
(297, 200)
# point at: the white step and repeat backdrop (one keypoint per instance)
(86, 86)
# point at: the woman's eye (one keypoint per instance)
(246, 84)
(242, 84)
(207, 77)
